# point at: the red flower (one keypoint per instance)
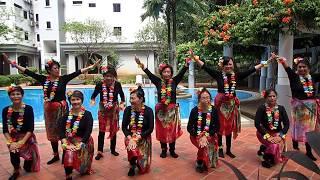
(255, 2)
(226, 38)
(226, 27)
(205, 41)
(213, 32)
(287, 2)
(286, 20)
(161, 66)
(206, 33)
(222, 34)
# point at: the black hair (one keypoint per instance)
(203, 90)
(267, 93)
(140, 93)
(305, 61)
(226, 60)
(111, 70)
(164, 67)
(77, 94)
(16, 88)
(49, 66)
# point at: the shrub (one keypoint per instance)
(4, 81)
(15, 78)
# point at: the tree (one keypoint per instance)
(90, 36)
(7, 33)
(152, 37)
(170, 9)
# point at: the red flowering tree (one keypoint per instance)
(259, 21)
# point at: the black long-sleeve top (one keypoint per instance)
(157, 82)
(85, 126)
(28, 120)
(148, 122)
(262, 124)
(60, 93)
(217, 75)
(117, 91)
(193, 122)
(296, 86)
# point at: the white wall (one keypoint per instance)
(129, 66)
(128, 19)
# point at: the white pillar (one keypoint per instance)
(263, 74)
(283, 86)
(71, 64)
(228, 50)
(13, 56)
(191, 75)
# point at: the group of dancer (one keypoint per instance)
(207, 122)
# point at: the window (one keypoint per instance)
(116, 7)
(26, 36)
(77, 2)
(117, 31)
(37, 17)
(2, 3)
(47, 2)
(38, 37)
(25, 14)
(92, 4)
(48, 25)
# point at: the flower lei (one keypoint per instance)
(273, 121)
(107, 102)
(208, 120)
(136, 128)
(70, 132)
(53, 89)
(229, 92)
(307, 86)
(166, 91)
(19, 120)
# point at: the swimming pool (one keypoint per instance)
(34, 97)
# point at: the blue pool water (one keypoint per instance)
(34, 97)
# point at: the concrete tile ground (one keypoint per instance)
(111, 167)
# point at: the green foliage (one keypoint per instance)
(4, 81)
(4, 30)
(153, 37)
(113, 59)
(90, 36)
(87, 32)
(258, 21)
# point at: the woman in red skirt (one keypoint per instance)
(18, 126)
(75, 134)
(272, 125)
(226, 101)
(168, 123)
(137, 126)
(109, 107)
(54, 92)
(203, 127)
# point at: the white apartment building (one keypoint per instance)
(42, 37)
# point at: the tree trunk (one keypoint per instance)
(168, 15)
(174, 36)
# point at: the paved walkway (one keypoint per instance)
(111, 167)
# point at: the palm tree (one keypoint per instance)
(170, 9)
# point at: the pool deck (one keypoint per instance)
(111, 167)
